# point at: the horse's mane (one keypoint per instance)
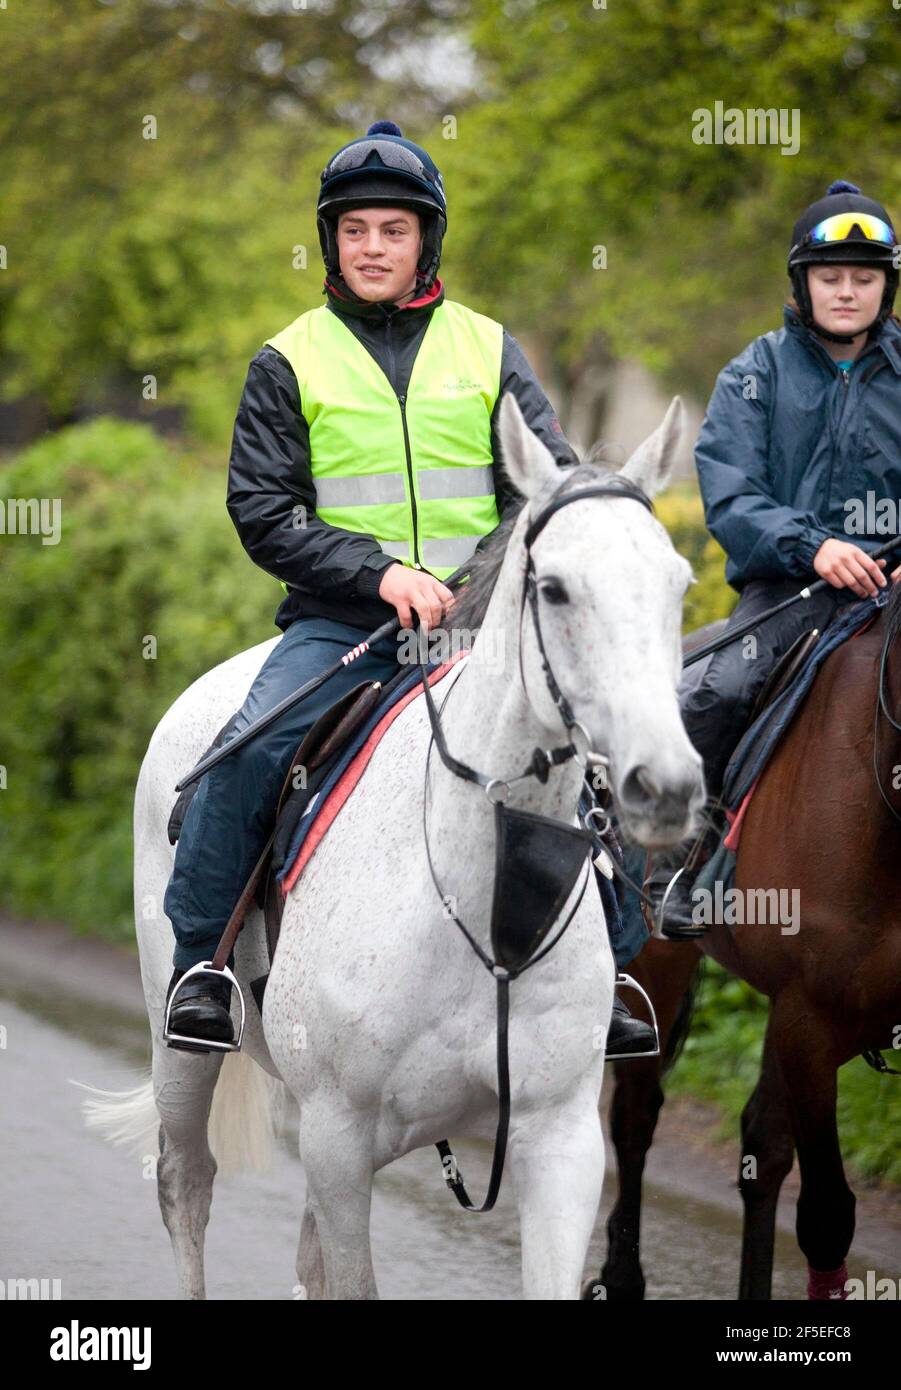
(473, 598)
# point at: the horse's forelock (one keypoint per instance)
(472, 603)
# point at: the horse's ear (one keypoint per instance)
(651, 464)
(528, 463)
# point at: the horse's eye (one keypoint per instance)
(553, 591)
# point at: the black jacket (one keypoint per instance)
(331, 572)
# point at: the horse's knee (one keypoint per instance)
(767, 1153)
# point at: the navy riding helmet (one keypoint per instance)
(383, 169)
(847, 228)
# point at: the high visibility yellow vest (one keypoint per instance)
(414, 471)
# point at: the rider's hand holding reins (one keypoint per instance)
(407, 589)
(844, 565)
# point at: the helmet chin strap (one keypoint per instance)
(839, 337)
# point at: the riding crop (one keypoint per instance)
(233, 744)
(733, 634)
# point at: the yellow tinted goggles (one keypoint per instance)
(840, 226)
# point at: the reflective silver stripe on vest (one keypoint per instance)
(436, 554)
(455, 551)
(360, 490)
(437, 483)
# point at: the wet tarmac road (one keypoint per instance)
(78, 1210)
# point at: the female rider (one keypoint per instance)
(802, 427)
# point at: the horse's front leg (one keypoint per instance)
(805, 1044)
(336, 1151)
(557, 1166)
(767, 1154)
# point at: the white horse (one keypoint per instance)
(378, 1015)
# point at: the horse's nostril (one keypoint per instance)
(639, 785)
(647, 784)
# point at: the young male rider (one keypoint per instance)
(361, 489)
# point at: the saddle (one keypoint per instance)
(709, 841)
(784, 672)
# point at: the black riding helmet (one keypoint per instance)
(829, 232)
(383, 169)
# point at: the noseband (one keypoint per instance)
(523, 907)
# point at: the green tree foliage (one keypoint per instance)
(584, 139)
(174, 256)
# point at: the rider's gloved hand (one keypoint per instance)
(845, 565)
(411, 590)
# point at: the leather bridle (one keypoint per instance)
(497, 790)
(543, 759)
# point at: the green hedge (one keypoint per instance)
(146, 549)
(709, 597)
(721, 1063)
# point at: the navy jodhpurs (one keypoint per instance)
(717, 695)
(231, 815)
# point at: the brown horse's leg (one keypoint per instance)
(806, 1043)
(636, 1104)
(767, 1154)
(667, 971)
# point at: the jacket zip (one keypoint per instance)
(403, 415)
(845, 374)
(402, 401)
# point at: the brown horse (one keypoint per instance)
(823, 824)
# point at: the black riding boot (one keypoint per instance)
(628, 1035)
(201, 1011)
(677, 920)
(671, 885)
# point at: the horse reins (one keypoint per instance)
(542, 760)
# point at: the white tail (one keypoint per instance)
(245, 1117)
(124, 1117)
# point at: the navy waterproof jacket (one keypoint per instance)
(788, 439)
